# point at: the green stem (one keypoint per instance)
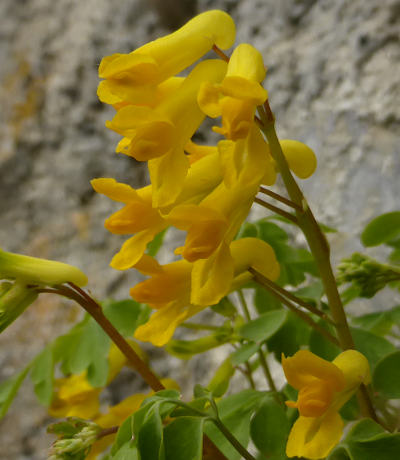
(317, 243)
(266, 283)
(276, 210)
(278, 197)
(294, 298)
(261, 356)
(229, 436)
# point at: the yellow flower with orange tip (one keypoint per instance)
(134, 77)
(170, 287)
(236, 98)
(323, 389)
(138, 216)
(159, 135)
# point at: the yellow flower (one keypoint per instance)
(323, 389)
(133, 77)
(170, 288)
(159, 135)
(140, 218)
(75, 397)
(236, 98)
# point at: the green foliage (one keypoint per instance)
(235, 412)
(368, 441)
(386, 377)
(263, 327)
(220, 382)
(269, 429)
(293, 334)
(183, 439)
(379, 323)
(372, 346)
(42, 376)
(8, 390)
(382, 229)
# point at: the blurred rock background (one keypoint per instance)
(333, 83)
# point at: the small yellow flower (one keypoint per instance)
(323, 389)
(165, 57)
(170, 288)
(140, 218)
(236, 98)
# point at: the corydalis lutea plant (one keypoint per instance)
(207, 192)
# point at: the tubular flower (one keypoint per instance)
(169, 290)
(236, 98)
(134, 77)
(323, 389)
(140, 218)
(160, 134)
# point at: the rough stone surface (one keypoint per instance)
(332, 82)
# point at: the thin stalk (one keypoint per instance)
(278, 197)
(276, 210)
(318, 245)
(220, 53)
(249, 375)
(301, 314)
(261, 356)
(94, 309)
(292, 297)
(107, 432)
(229, 436)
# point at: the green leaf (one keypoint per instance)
(244, 353)
(88, 351)
(185, 349)
(127, 452)
(382, 229)
(368, 441)
(150, 435)
(247, 230)
(220, 382)
(371, 346)
(42, 376)
(290, 337)
(269, 428)
(379, 323)
(9, 389)
(264, 301)
(235, 412)
(154, 246)
(183, 439)
(126, 315)
(225, 308)
(263, 327)
(386, 376)
(313, 292)
(321, 346)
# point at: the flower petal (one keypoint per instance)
(304, 367)
(301, 159)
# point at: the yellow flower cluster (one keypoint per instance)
(206, 191)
